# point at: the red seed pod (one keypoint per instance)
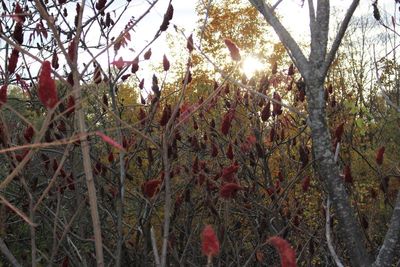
(70, 105)
(229, 190)
(110, 157)
(228, 173)
(47, 87)
(54, 60)
(266, 112)
(379, 155)
(105, 100)
(291, 70)
(227, 121)
(28, 133)
(12, 62)
(3, 96)
(142, 116)
(209, 242)
(339, 132)
(97, 75)
(305, 183)
(286, 252)
(229, 152)
(167, 17)
(141, 84)
(233, 49)
(166, 64)
(19, 17)
(277, 107)
(135, 65)
(18, 33)
(347, 175)
(71, 50)
(150, 188)
(303, 156)
(147, 55)
(214, 150)
(101, 4)
(165, 115)
(189, 43)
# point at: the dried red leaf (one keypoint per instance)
(97, 75)
(119, 64)
(150, 188)
(209, 242)
(167, 17)
(3, 95)
(47, 90)
(147, 55)
(286, 252)
(166, 64)
(12, 62)
(229, 190)
(233, 49)
(109, 140)
(189, 43)
(379, 155)
(28, 133)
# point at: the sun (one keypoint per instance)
(250, 66)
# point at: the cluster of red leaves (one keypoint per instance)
(209, 242)
(167, 18)
(47, 87)
(233, 49)
(3, 94)
(379, 155)
(151, 187)
(286, 252)
(228, 173)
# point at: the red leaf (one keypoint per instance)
(109, 140)
(233, 49)
(3, 95)
(147, 55)
(166, 64)
(286, 252)
(229, 190)
(119, 64)
(12, 62)
(47, 87)
(379, 155)
(151, 187)
(189, 44)
(209, 242)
